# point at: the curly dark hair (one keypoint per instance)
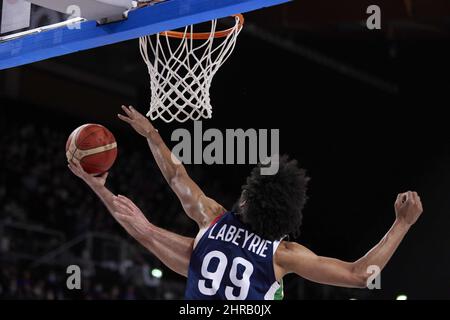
(272, 204)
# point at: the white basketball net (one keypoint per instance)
(181, 71)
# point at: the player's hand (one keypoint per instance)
(408, 207)
(130, 216)
(90, 179)
(139, 123)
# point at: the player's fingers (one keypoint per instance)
(104, 175)
(132, 204)
(419, 205)
(75, 163)
(123, 204)
(125, 199)
(121, 217)
(124, 118)
(126, 110)
(135, 112)
(132, 112)
(410, 200)
(72, 169)
(75, 166)
(126, 202)
(419, 202)
(119, 204)
(399, 200)
(415, 197)
(96, 175)
(399, 197)
(122, 209)
(79, 167)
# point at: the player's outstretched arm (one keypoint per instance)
(172, 249)
(294, 258)
(196, 204)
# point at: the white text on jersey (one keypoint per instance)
(241, 238)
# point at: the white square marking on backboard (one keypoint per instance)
(16, 15)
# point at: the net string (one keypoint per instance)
(181, 75)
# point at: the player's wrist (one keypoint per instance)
(95, 185)
(150, 132)
(402, 224)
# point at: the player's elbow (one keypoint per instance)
(358, 277)
(360, 281)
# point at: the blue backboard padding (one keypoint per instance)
(165, 16)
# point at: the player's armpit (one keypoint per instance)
(292, 257)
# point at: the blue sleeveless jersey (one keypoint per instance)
(230, 262)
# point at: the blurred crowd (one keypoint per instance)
(17, 281)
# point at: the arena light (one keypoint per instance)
(402, 297)
(157, 273)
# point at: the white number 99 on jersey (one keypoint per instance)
(217, 276)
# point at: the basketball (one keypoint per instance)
(94, 147)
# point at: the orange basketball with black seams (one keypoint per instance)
(94, 147)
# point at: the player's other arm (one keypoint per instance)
(294, 258)
(172, 249)
(196, 204)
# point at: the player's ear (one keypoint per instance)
(242, 199)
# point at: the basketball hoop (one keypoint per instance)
(182, 64)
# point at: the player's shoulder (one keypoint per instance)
(284, 247)
(286, 251)
(280, 257)
(287, 247)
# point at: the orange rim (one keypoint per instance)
(204, 35)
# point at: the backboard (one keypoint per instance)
(35, 30)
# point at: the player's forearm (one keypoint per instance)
(106, 196)
(381, 253)
(163, 156)
(171, 249)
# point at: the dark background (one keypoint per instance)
(363, 111)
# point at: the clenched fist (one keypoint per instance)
(408, 207)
